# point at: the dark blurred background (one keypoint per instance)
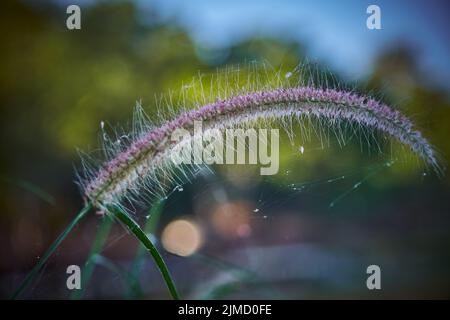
(230, 234)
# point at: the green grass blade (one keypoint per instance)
(50, 251)
(108, 264)
(142, 237)
(89, 266)
(150, 227)
(32, 188)
(242, 276)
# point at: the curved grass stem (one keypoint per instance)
(134, 290)
(142, 237)
(30, 276)
(88, 270)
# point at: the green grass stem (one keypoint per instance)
(144, 239)
(30, 276)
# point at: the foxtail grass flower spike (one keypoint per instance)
(151, 151)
